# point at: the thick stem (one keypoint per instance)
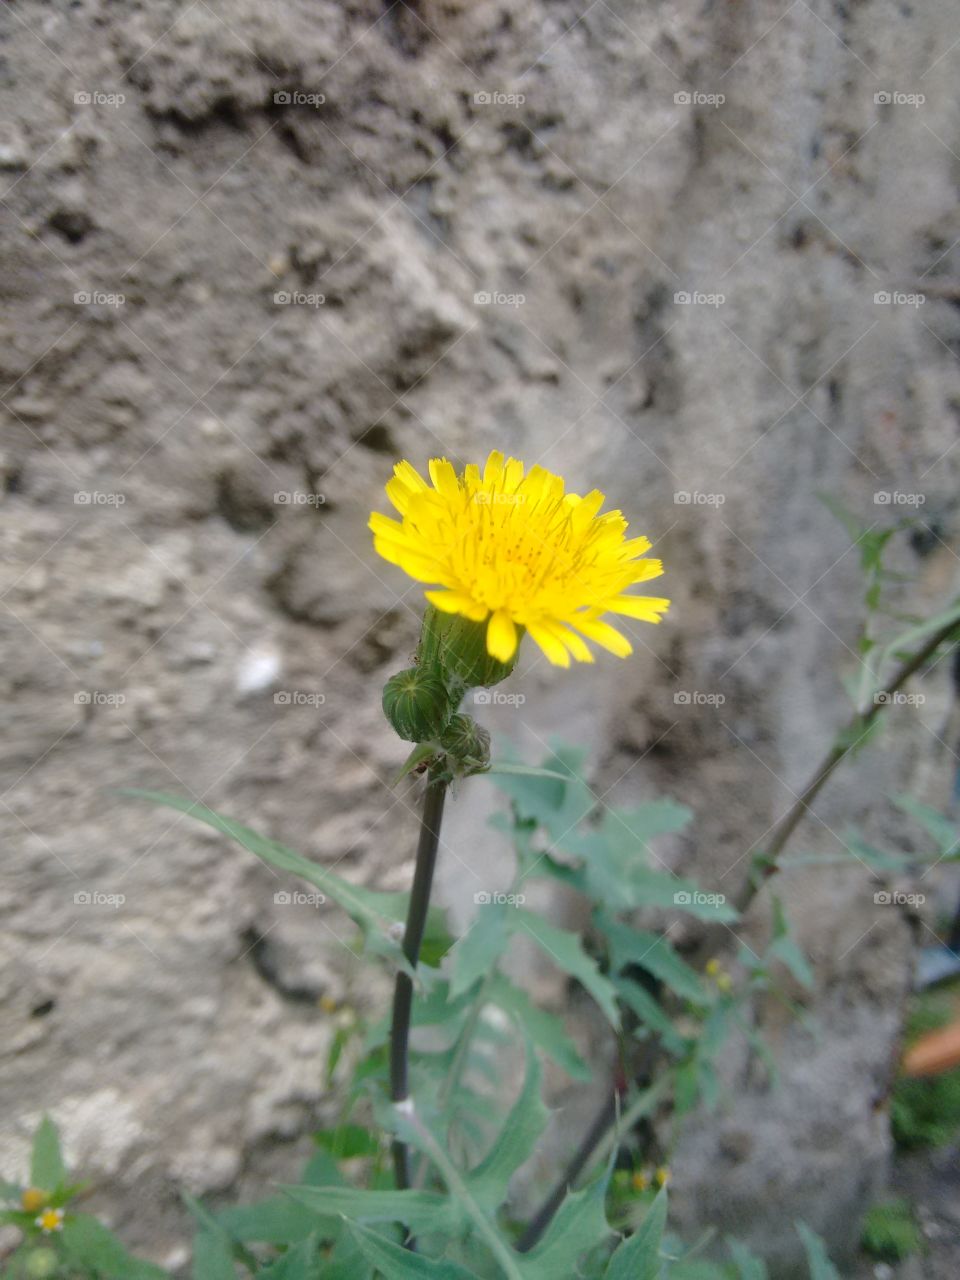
(427, 848)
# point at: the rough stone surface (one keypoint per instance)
(231, 430)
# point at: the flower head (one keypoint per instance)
(50, 1220)
(512, 549)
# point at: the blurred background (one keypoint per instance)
(700, 255)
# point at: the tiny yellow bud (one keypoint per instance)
(640, 1181)
(328, 1004)
(724, 982)
(713, 967)
(33, 1199)
(662, 1176)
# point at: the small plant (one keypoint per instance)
(925, 1111)
(890, 1232)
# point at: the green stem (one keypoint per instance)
(459, 1189)
(427, 848)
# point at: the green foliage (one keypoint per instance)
(890, 1232)
(925, 1111)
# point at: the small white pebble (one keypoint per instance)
(257, 670)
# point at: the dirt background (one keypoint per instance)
(169, 177)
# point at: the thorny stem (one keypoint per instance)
(427, 848)
(763, 865)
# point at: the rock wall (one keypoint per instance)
(254, 254)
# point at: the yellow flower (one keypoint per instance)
(640, 1181)
(662, 1176)
(50, 1220)
(34, 1198)
(514, 550)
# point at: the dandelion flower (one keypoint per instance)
(510, 548)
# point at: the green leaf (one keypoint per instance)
(652, 1015)
(639, 1257)
(653, 952)
(347, 1141)
(47, 1170)
(566, 951)
(301, 1262)
(373, 912)
(784, 949)
(580, 1224)
(545, 1029)
(749, 1267)
(417, 1210)
(553, 795)
(212, 1257)
(821, 1268)
(515, 1143)
(396, 1263)
(88, 1244)
(944, 830)
(277, 1220)
(475, 954)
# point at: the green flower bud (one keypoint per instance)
(467, 745)
(417, 704)
(459, 648)
(41, 1263)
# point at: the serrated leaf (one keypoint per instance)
(545, 1029)
(47, 1170)
(474, 955)
(639, 1257)
(89, 1244)
(417, 1210)
(553, 795)
(396, 1263)
(514, 1144)
(580, 1224)
(653, 952)
(566, 951)
(373, 912)
(821, 1268)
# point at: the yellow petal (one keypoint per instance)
(604, 635)
(457, 602)
(444, 478)
(554, 648)
(646, 608)
(501, 636)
